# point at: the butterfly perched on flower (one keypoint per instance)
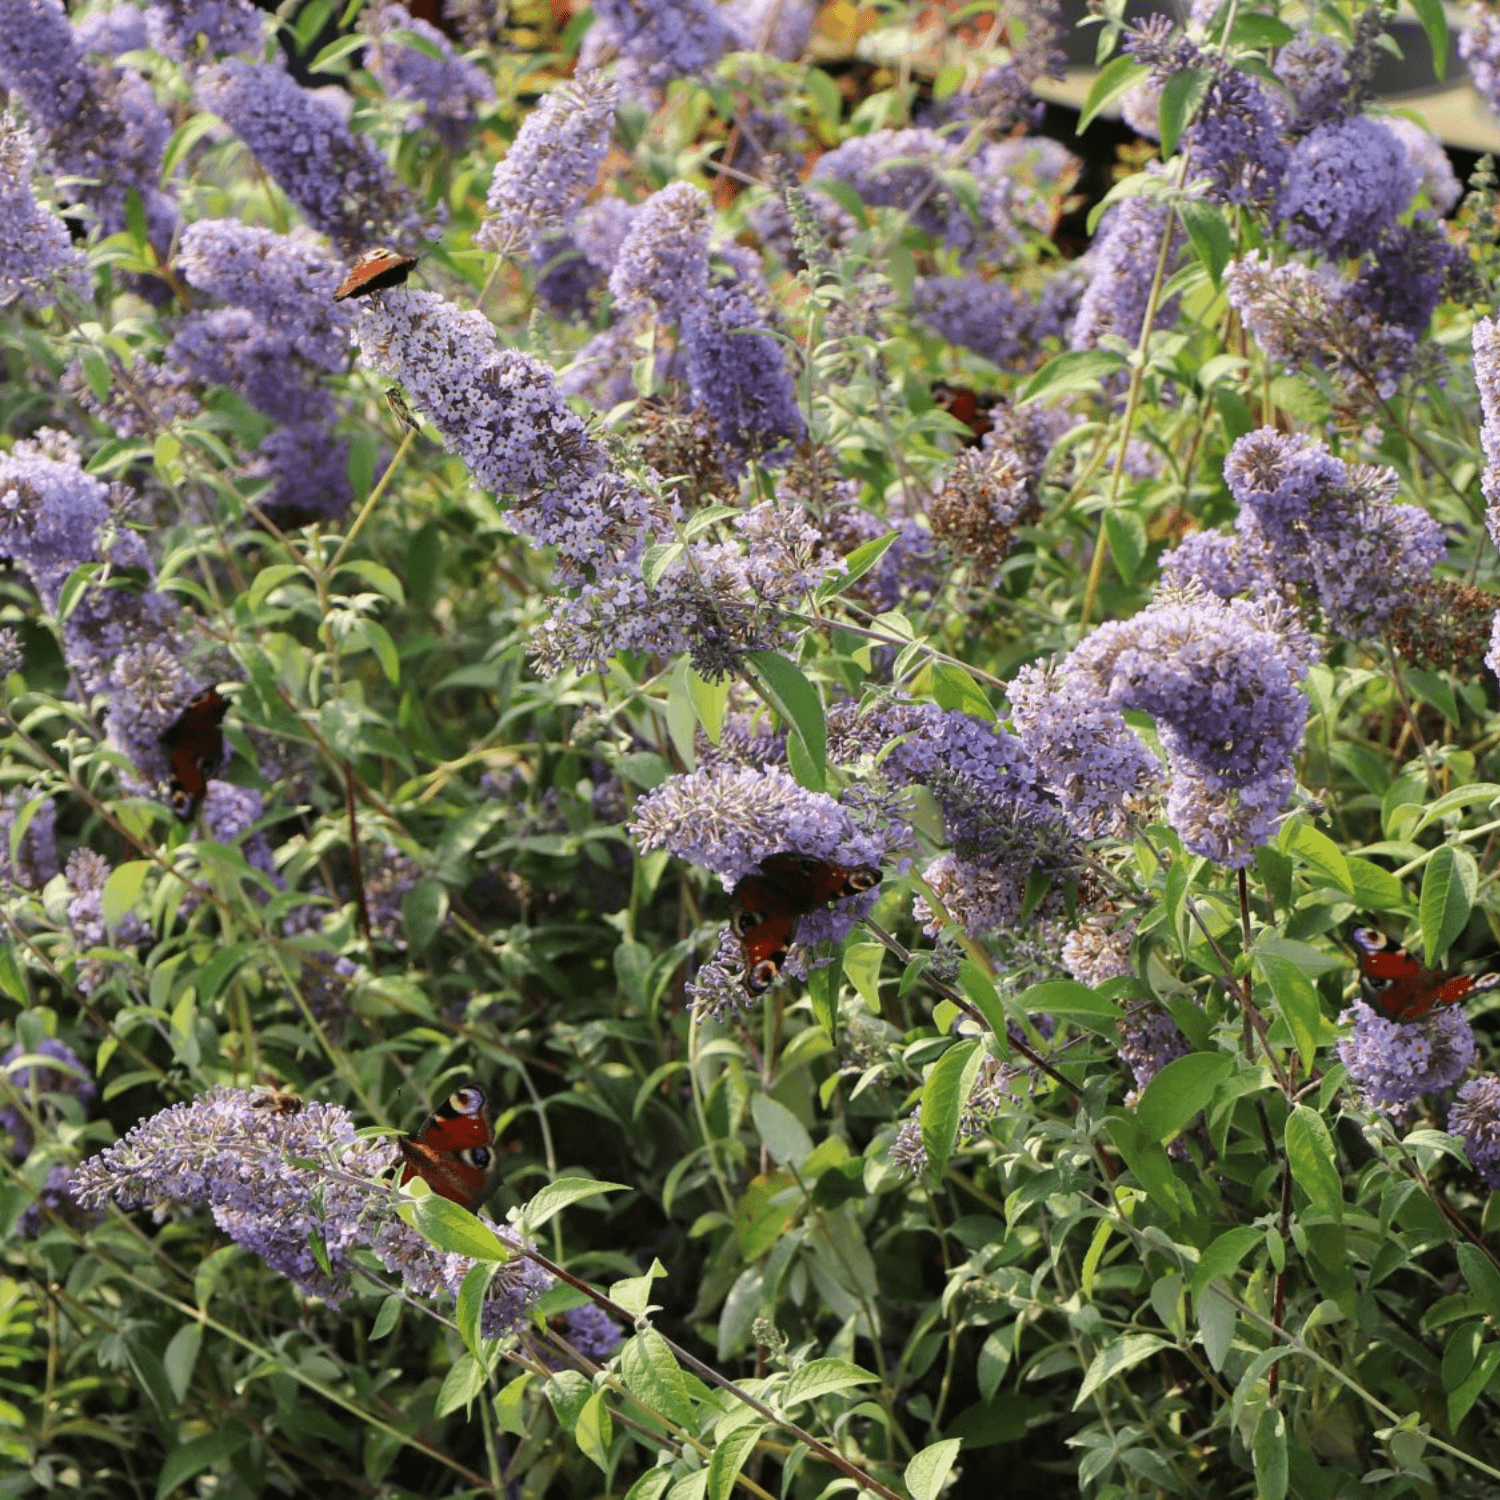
(194, 742)
(1402, 988)
(454, 1150)
(375, 271)
(765, 908)
(975, 409)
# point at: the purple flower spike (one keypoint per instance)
(40, 257)
(730, 818)
(662, 266)
(551, 166)
(31, 1081)
(1475, 1120)
(448, 92)
(1344, 184)
(1395, 1062)
(498, 409)
(178, 28)
(337, 178)
(276, 1181)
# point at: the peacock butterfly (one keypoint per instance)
(975, 409)
(375, 271)
(194, 742)
(766, 907)
(454, 1151)
(1400, 987)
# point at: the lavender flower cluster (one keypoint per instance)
(40, 257)
(281, 1184)
(338, 179)
(446, 92)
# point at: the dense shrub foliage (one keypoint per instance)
(876, 703)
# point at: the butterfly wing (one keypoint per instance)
(1402, 988)
(765, 908)
(974, 410)
(194, 743)
(375, 271)
(454, 1151)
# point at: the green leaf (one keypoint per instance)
(1125, 533)
(657, 560)
(783, 1134)
(1257, 30)
(1180, 1091)
(634, 1292)
(468, 1310)
(1482, 1277)
(1435, 23)
(510, 1405)
(953, 688)
(452, 1228)
(386, 1318)
(1210, 233)
(1270, 1455)
(928, 1469)
(1180, 97)
(594, 1430)
(795, 699)
(652, 1373)
(1310, 1150)
(1463, 1396)
(729, 1458)
(423, 910)
(1217, 1316)
(1067, 1000)
(1073, 370)
(567, 1391)
(1375, 888)
(186, 1460)
(710, 701)
(858, 563)
(1449, 885)
(821, 1377)
(556, 1196)
(1320, 851)
(1298, 1002)
(180, 1357)
(335, 51)
(944, 1095)
(462, 1385)
(1224, 1254)
(1116, 77)
(1115, 1358)
(122, 890)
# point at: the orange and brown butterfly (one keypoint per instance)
(375, 271)
(1402, 988)
(194, 742)
(975, 409)
(454, 1151)
(766, 906)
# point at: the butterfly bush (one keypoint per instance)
(179, 28)
(35, 858)
(448, 92)
(95, 122)
(1221, 683)
(551, 166)
(339, 180)
(276, 1182)
(28, 1086)
(1474, 1118)
(41, 259)
(1393, 1063)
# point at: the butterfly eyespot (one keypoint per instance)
(863, 880)
(466, 1101)
(478, 1157)
(760, 977)
(743, 921)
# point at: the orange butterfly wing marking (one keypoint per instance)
(1400, 987)
(194, 743)
(375, 271)
(454, 1151)
(765, 908)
